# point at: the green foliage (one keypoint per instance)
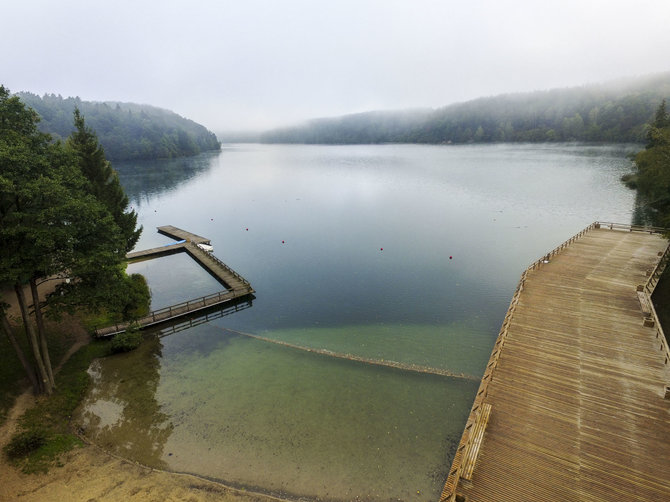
(126, 131)
(127, 341)
(138, 297)
(12, 376)
(47, 455)
(614, 112)
(103, 181)
(25, 443)
(630, 180)
(652, 177)
(44, 430)
(60, 210)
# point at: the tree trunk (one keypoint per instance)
(30, 372)
(30, 332)
(41, 332)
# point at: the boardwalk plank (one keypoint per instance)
(577, 391)
(235, 285)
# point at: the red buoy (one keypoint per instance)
(450, 257)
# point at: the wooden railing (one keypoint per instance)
(201, 253)
(631, 228)
(648, 290)
(449, 490)
(166, 313)
(197, 319)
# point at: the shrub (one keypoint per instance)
(26, 442)
(138, 297)
(127, 341)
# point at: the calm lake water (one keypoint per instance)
(396, 252)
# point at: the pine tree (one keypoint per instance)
(50, 223)
(662, 119)
(653, 168)
(103, 180)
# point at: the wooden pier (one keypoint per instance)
(148, 254)
(182, 235)
(573, 405)
(236, 286)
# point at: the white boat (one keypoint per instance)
(206, 247)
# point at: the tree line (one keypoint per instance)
(63, 214)
(652, 172)
(127, 131)
(614, 112)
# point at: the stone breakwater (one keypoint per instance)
(417, 368)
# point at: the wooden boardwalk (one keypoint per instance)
(182, 235)
(147, 254)
(574, 390)
(236, 286)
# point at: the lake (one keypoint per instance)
(404, 253)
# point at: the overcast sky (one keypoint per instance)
(248, 64)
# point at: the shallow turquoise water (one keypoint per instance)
(397, 252)
(278, 419)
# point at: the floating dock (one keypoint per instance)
(574, 404)
(236, 286)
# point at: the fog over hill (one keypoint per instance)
(615, 111)
(126, 131)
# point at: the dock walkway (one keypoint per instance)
(236, 286)
(574, 390)
(156, 252)
(182, 235)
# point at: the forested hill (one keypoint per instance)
(125, 130)
(611, 112)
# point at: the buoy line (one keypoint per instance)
(417, 368)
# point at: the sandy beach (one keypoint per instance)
(89, 474)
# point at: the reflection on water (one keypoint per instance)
(397, 252)
(122, 412)
(286, 421)
(145, 178)
(205, 315)
(174, 279)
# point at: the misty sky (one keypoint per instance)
(249, 64)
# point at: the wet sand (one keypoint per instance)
(89, 474)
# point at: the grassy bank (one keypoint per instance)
(12, 377)
(44, 430)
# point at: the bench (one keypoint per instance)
(475, 442)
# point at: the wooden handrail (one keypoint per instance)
(632, 228)
(648, 290)
(451, 484)
(206, 255)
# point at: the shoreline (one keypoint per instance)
(89, 473)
